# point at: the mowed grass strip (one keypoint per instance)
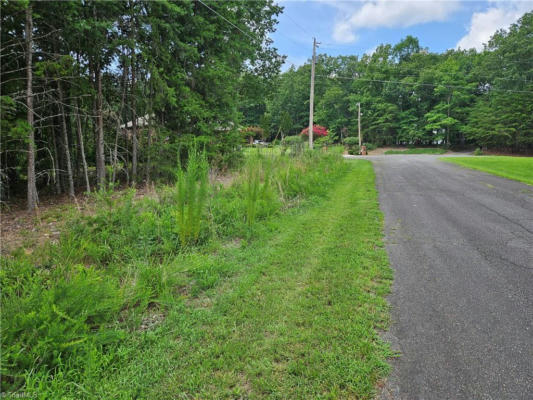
(516, 168)
(429, 150)
(298, 319)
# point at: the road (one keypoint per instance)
(461, 245)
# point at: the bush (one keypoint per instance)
(352, 145)
(295, 144)
(324, 141)
(371, 146)
(478, 152)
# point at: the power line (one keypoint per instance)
(398, 68)
(247, 34)
(228, 21)
(421, 84)
(298, 25)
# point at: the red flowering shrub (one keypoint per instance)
(318, 131)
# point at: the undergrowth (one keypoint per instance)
(67, 306)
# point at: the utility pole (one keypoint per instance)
(359, 122)
(312, 94)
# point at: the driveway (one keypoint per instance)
(461, 245)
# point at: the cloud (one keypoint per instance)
(389, 14)
(484, 24)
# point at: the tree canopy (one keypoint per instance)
(409, 95)
(118, 87)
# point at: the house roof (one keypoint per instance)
(141, 122)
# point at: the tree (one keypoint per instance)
(32, 188)
(285, 125)
(266, 125)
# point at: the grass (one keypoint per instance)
(429, 150)
(296, 316)
(288, 309)
(516, 168)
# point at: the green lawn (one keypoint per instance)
(517, 168)
(297, 316)
(429, 150)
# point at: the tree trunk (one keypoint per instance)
(148, 145)
(149, 134)
(65, 141)
(100, 156)
(82, 148)
(32, 188)
(57, 182)
(119, 120)
(133, 122)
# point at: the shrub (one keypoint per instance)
(352, 145)
(478, 152)
(295, 144)
(324, 141)
(318, 131)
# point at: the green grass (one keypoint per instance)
(296, 315)
(289, 308)
(429, 150)
(273, 150)
(516, 168)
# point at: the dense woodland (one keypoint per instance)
(73, 74)
(411, 96)
(100, 93)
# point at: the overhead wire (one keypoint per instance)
(378, 80)
(228, 21)
(420, 84)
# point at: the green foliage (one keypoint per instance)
(51, 315)
(285, 124)
(200, 81)
(192, 190)
(266, 125)
(310, 290)
(295, 144)
(71, 309)
(352, 145)
(478, 152)
(409, 95)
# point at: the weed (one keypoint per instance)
(192, 187)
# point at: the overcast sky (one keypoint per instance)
(357, 27)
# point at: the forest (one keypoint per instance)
(97, 92)
(101, 94)
(409, 95)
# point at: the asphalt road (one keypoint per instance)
(461, 245)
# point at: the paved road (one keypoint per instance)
(461, 245)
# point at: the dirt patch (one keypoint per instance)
(21, 228)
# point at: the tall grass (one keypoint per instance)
(68, 307)
(192, 187)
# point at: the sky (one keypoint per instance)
(358, 27)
